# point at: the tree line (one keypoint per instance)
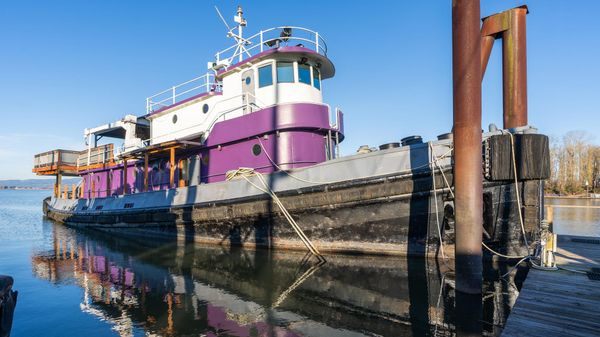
(574, 164)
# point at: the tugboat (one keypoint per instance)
(248, 155)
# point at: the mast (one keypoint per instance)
(239, 19)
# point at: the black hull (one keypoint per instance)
(395, 215)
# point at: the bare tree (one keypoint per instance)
(575, 164)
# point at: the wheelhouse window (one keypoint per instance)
(304, 73)
(285, 72)
(316, 78)
(265, 76)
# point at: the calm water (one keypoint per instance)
(578, 220)
(75, 283)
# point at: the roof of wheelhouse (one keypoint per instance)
(323, 62)
(292, 41)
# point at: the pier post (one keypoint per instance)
(510, 26)
(466, 62)
(125, 185)
(57, 184)
(514, 70)
(181, 168)
(172, 168)
(146, 172)
(468, 202)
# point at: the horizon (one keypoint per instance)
(72, 66)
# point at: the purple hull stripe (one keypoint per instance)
(279, 117)
(291, 135)
(289, 149)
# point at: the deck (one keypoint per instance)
(560, 303)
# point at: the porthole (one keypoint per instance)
(248, 80)
(174, 119)
(205, 108)
(256, 149)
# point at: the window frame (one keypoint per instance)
(293, 72)
(260, 84)
(317, 72)
(310, 77)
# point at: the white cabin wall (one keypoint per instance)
(190, 120)
(280, 93)
(228, 105)
(232, 96)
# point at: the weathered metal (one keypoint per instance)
(466, 53)
(146, 172)
(510, 26)
(125, 185)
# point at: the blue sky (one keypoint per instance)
(67, 65)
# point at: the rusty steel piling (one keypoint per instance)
(466, 65)
(468, 183)
(510, 26)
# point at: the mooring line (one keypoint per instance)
(437, 217)
(512, 150)
(244, 172)
(308, 273)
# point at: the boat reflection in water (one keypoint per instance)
(178, 288)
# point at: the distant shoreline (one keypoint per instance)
(592, 196)
(24, 188)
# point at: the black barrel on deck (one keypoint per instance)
(389, 146)
(411, 140)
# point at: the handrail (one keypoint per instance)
(161, 99)
(55, 157)
(245, 104)
(314, 39)
(97, 155)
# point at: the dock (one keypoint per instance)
(565, 302)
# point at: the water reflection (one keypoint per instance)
(575, 216)
(143, 286)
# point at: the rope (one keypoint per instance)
(437, 218)
(512, 150)
(521, 257)
(244, 172)
(573, 270)
(331, 182)
(516, 265)
(286, 172)
(435, 161)
(504, 256)
(297, 283)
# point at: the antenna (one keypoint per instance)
(222, 18)
(241, 43)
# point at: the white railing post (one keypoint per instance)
(217, 57)
(317, 42)
(173, 93)
(147, 105)
(261, 41)
(247, 103)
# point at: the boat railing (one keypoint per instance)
(273, 38)
(97, 155)
(55, 158)
(249, 104)
(247, 107)
(177, 93)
